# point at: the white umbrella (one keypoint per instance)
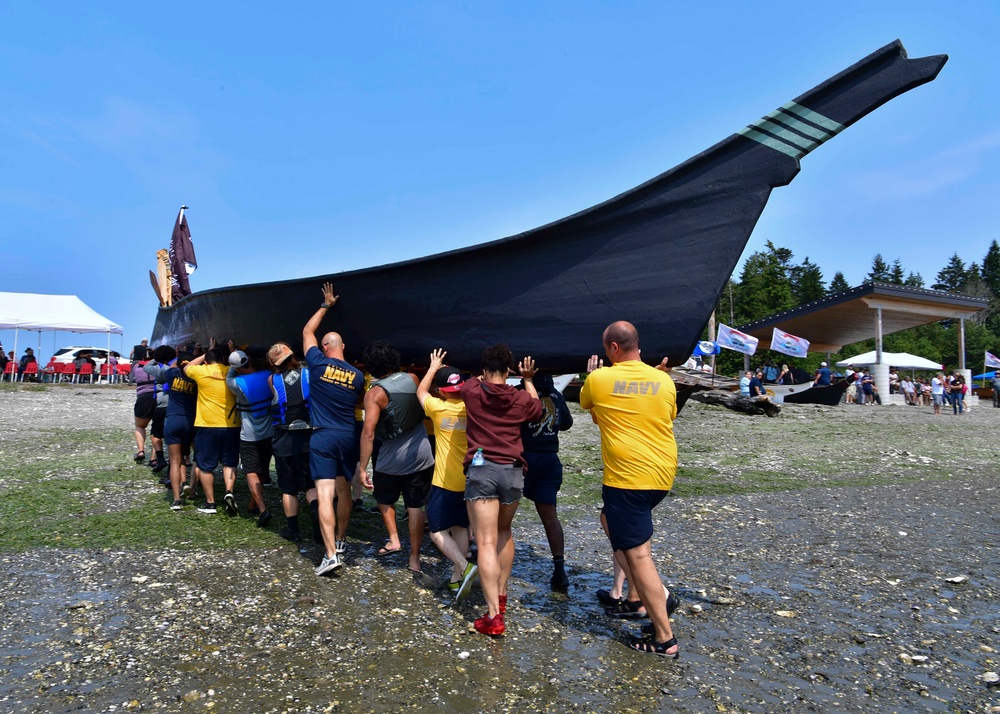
(900, 360)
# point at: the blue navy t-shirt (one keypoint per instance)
(334, 388)
(183, 393)
(823, 375)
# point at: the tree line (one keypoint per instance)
(771, 282)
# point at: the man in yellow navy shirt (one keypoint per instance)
(447, 514)
(217, 439)
(634, 406)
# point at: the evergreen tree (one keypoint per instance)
(764, 287)
(838, 284)
(807, 282)
(951, 277)
(896, 274)
(879, 271)
(991, 269)
(914, 280)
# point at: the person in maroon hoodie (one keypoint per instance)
(495, 466)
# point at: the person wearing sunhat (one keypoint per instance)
(447, 514)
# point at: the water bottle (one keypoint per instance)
(477, 458)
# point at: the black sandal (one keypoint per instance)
(139, 457)
(627, 610)
(607, 599)
(673, 602)
(657, 648)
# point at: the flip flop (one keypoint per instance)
(385, 550)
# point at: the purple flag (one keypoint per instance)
(182, 260)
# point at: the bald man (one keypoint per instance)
(634, 406)
(334, 389)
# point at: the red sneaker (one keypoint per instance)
(503, 604)
(492, 626)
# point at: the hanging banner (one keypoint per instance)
(788, 344)
(704, 348)
(737, 341)
(992, 360)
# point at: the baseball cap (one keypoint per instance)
(278, 353)
(448, 380)
(238, 358)
(822, 364)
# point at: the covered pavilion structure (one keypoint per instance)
(873, 309)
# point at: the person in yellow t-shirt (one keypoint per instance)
(634, 406)
(447, 513)
(217, 435)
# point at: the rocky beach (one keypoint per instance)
(830, 559)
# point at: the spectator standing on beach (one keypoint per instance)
(937, 391)
(544, 475)
(868, 387)
(957, 390)
(144, 407)
(334, 388)
(447, 514)
(217, 439)
(405, 464)
(249, 379)
(634, 406)
(290, 443)
(995, 383)
(494, 465)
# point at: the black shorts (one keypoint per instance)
(255, 456)
(145, 406)
(213, 446)
(544, 476)
(333, 454)
(446, 509)
(178, 430)
(629, 514)
(156, 427)
(293, 474)
(413, 487)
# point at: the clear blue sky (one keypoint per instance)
(313, 138)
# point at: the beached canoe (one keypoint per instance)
(658, 255)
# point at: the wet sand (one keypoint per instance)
(823, 598)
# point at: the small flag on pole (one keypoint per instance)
(705, 348)
(788, 344)
(992, 360)
(737, 341)
(182, 259)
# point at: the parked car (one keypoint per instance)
(67, 355)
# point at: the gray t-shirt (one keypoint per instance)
(253, 427)
(407, 454)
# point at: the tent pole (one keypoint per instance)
(14, 373)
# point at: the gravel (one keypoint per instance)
(871, 586)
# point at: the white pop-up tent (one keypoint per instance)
(899, 360)
(46, 313)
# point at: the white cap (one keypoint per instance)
(821, 364)
(238, 358)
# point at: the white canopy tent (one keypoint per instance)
(48, 313)
(899, 360)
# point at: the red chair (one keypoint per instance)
(108, 372)
(86, 370)
(30, 370)
(124, 370)
(10, 369)
(51, 370)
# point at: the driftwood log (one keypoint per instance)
(738, 403)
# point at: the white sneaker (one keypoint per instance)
(328, 564)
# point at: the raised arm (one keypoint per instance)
(309, 331)
(195, 362)
(527, 370)
(424, 388)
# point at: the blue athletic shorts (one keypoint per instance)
(178, 430)
(216, 445)
(630, 515)
(544, 476)
(446, 509)
(333, 453)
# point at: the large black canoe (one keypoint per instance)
(657, 255)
